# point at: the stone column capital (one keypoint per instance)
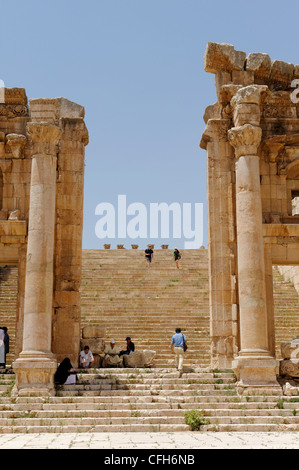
(15, 144)
(44, 137)
(245, 139)
(215, 131)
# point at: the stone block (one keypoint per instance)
(281, 73)
(290, 389)
(242, 77)
(289, 367)
(93, 332)
(223, 57)
(290, 350)
(66, 299)
(13, 227)
(15, 96)
(139, 358)
(96, 345)
(259, 64)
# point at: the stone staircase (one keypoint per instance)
(286, 310)
(120, 292)
(155, 400)
(148, 304)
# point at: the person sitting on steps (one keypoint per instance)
(86, 358)
(130, 348)
(112, 355)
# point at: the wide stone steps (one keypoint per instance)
(147, 400)
(120, 292)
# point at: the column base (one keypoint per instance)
(35, 373)
(254, 370)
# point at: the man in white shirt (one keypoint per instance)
(86, 358)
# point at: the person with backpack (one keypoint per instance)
(178, 347)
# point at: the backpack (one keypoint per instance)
(185, 345)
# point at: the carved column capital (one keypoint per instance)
(15, 144)
(245, 139)
(44, 137)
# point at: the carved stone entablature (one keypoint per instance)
(15, 96)
(215, 131)
(245, 139)
(44, 137)
(13, 110)
(278, 104)
(282, 149)
(273, 151)
(15, 144)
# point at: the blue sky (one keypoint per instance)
(137, 68)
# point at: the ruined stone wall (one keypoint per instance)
(17, 145)
(252, 143)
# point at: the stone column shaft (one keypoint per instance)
(254, 365)
(40, 255)
(251, 270)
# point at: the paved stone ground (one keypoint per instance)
(185, 440)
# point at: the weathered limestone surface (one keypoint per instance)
(139, 358)
(290, 350)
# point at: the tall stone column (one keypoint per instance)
(36, 364)
(221, 242)
(254, 364)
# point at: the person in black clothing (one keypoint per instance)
(149, 255)
(63, 372)
(6, 342)
(130, 347)
(177, 257)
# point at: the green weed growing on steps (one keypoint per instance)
(195, 419)
(280, 404)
